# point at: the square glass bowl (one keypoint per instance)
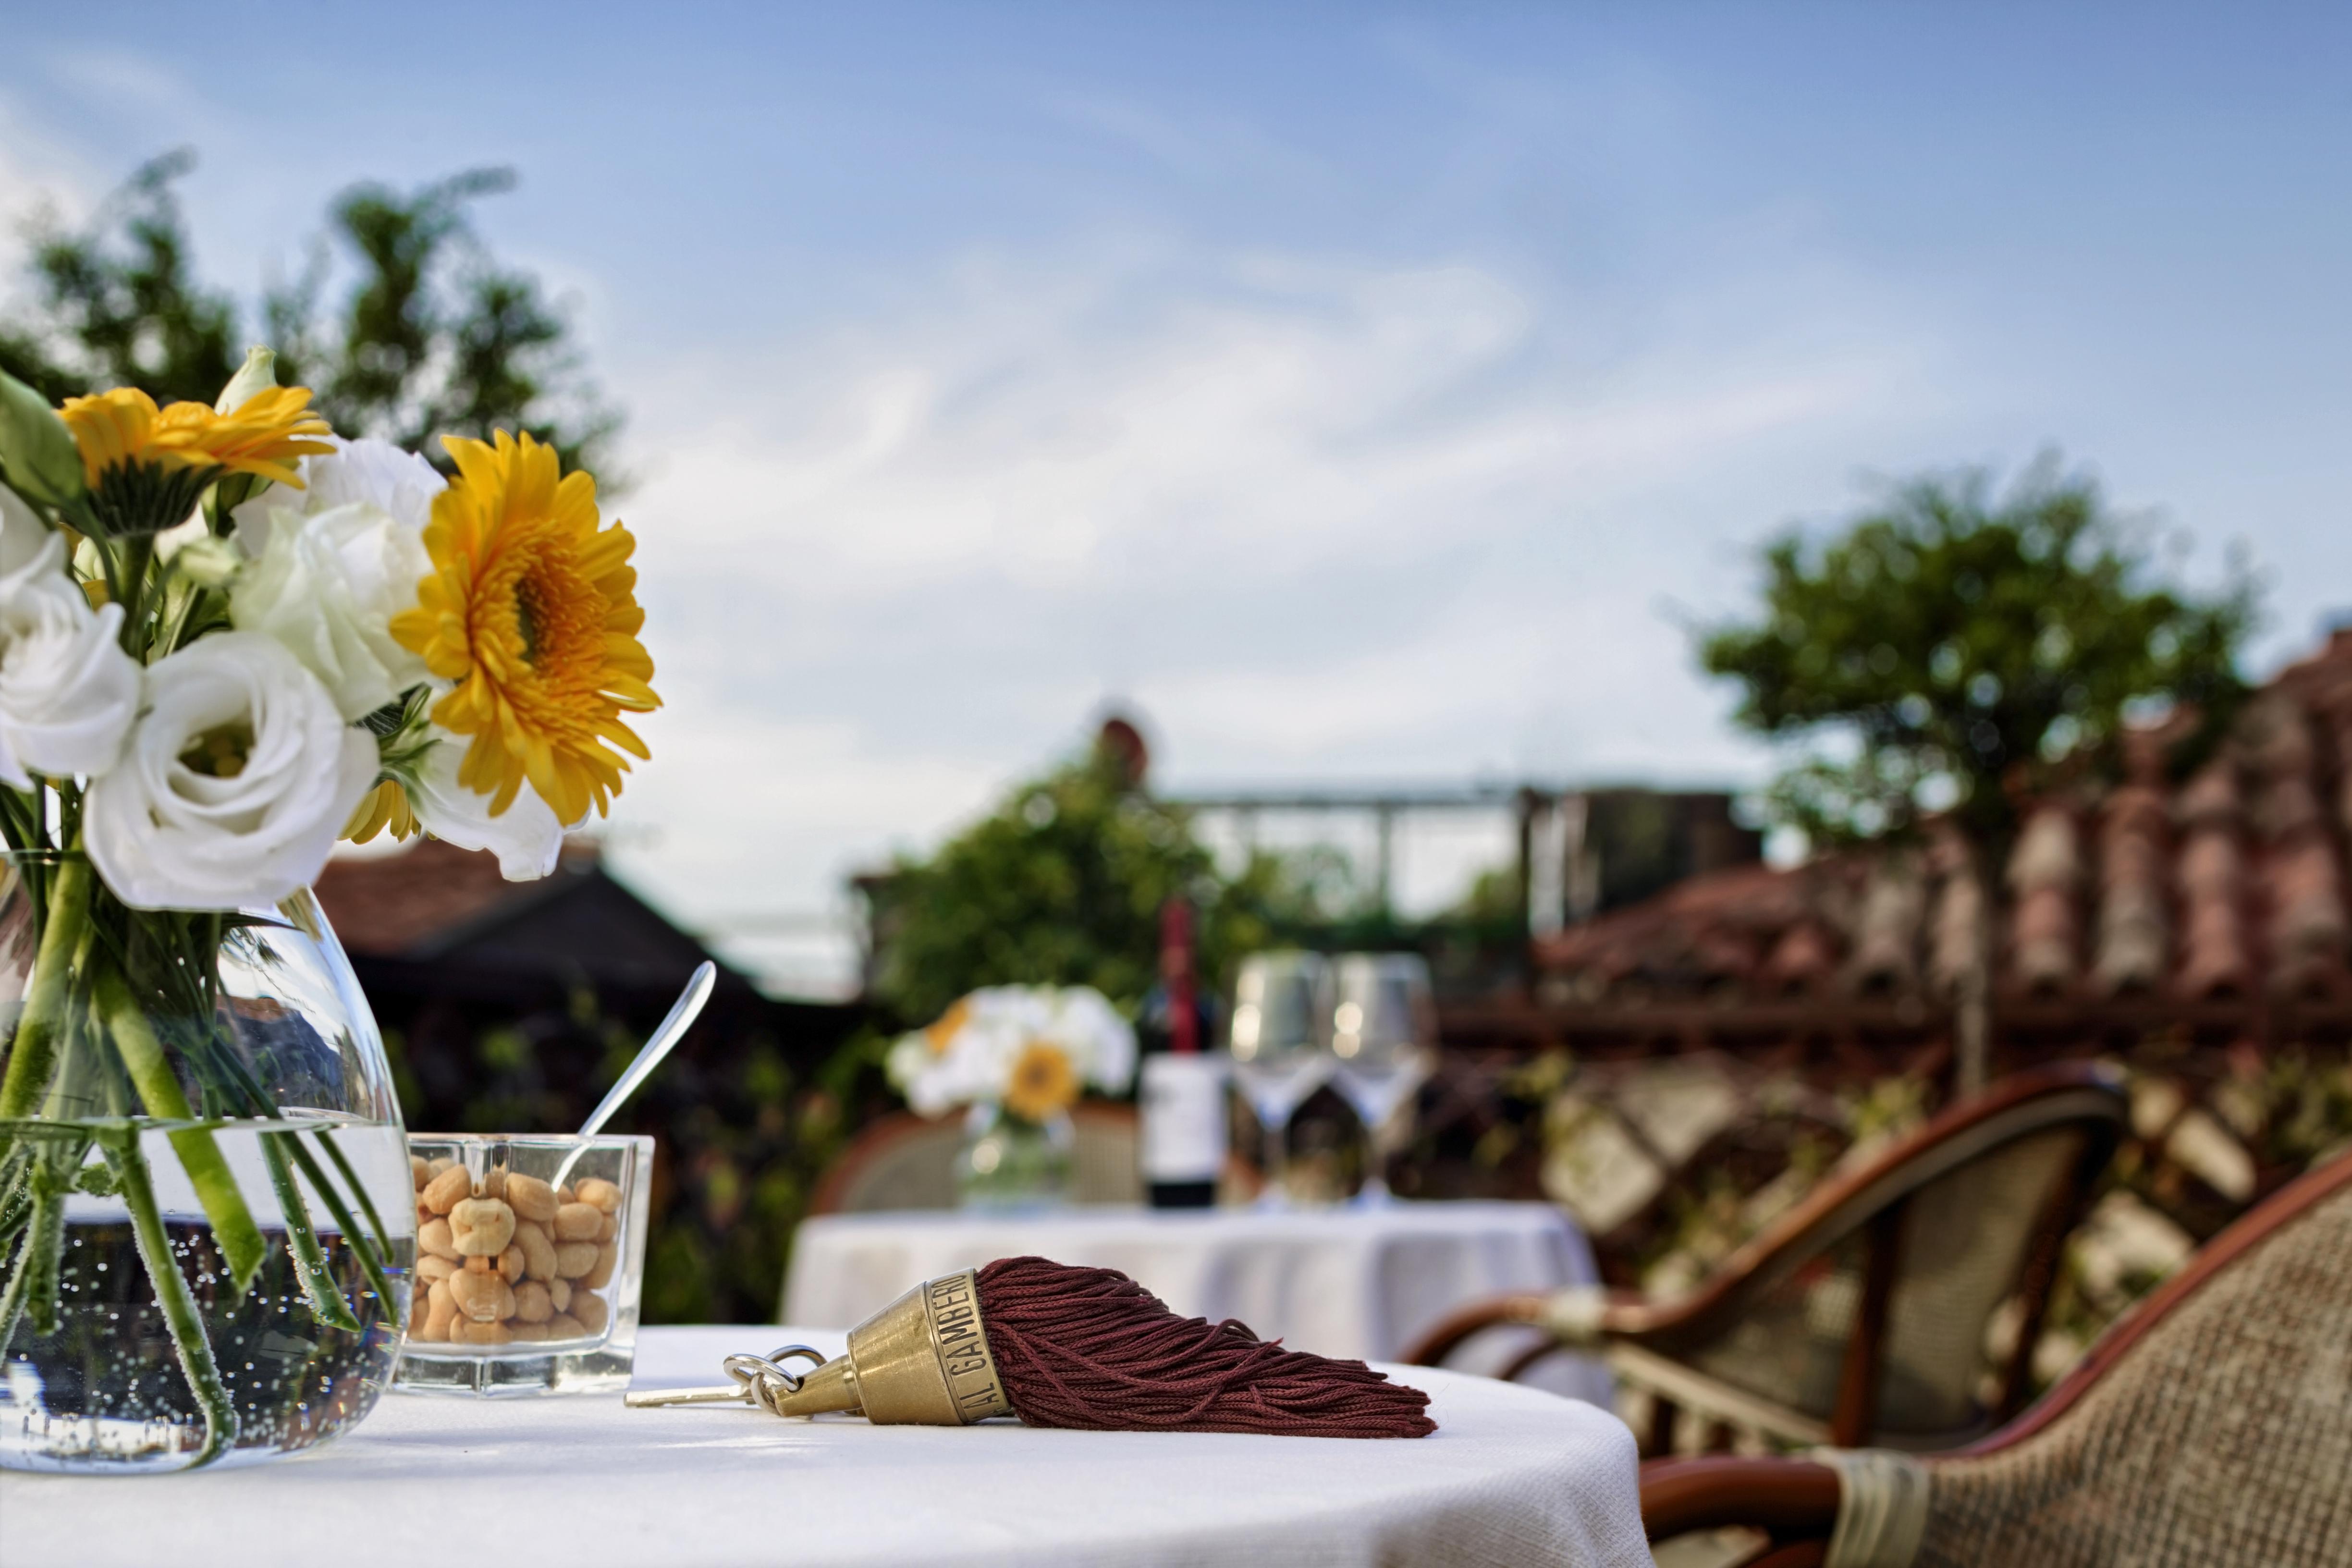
(530, 1256)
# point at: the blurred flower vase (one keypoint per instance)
(1018, 1056)
(1009, 1162)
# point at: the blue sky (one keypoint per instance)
(1361, 393)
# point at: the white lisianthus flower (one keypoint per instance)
(238, 777)
(67, 691)
(334, 561)
(525, 837)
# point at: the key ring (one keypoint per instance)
(764, 1379)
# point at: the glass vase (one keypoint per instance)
(1008, 1162)
(206, 1219)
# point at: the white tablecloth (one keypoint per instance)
(1356, 1283)
(1512, 1477)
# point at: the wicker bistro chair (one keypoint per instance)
(906, 1161)
(2212, 1427)
(1861, 1315)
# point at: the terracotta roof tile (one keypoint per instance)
(2232, 882)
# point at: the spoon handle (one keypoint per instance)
(658, 1046)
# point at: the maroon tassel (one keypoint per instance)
(1090, 1348)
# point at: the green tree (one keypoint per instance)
(1063, 884)
(1952, 653)
(427, 336)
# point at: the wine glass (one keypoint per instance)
(1280, 1005)
(1383, 1034)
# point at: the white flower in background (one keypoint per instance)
(525, 837)
(331, 564)
(238, 777)
(67, 691)
(978, 1049)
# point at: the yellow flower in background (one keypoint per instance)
(145, 466)
(943, 1034)
(1044, 1082)
(532, 610)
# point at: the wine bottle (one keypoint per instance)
(1184, 1089)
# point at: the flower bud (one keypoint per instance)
(35, 448)
(259, 374)
(208, 562)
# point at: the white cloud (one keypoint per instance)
(1317, 517)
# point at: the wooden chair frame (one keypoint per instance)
(1646, 1337)
(1795, 1501)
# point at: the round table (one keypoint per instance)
(1359, 1283)
(1512, 1477)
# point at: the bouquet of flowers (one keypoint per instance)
(1027, 1050)
(228, 638)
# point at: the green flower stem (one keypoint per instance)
(234, 1230)
(172, 1294)
(33, 1056)
(302, 1239)
(33, 1286)
(370, 1262)
(372, 1251)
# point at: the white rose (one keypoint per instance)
(238, 775)
(334, 561)
(1102, 1044)
(67, 691)
(525, 837)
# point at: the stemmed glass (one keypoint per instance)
(1384, 1032)
(1281, 1002)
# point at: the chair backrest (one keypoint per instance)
(2214, 1426)
(1868, 1306)
(907, 1161)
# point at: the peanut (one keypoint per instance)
(532, 1302)
(478, 1333)
(531, 1199)
(538, 1251)
(573, 1258)
(493, 1184)
(591, 1311)
(484, 1298)
(566, 1196)
(610, 1228)
(608, 1257)
(564, 1326)
(577, 1222)
(441, 1164)
(560, 1292)
(599, 1194)
(434, 1237)
(441, 1310)
(446, 1191)
(528, 1333)
(511, 1264)
(482, 1227)
(419, 1171)
(430, 1268)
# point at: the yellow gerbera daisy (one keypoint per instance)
(145, 466)
(531, 609)
(384, 809)
(1044, 1082)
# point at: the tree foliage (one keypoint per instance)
(1063, 884)
(1949, 650)
(428, 335)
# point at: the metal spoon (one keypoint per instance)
(672, 1029)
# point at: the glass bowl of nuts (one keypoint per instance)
(530, 1253)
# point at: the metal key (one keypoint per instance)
(758, 1380)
